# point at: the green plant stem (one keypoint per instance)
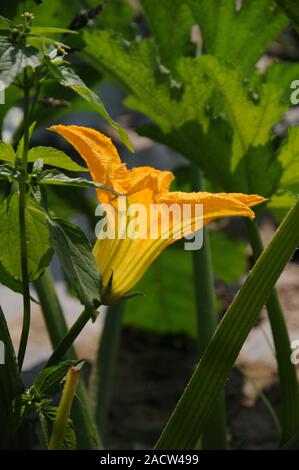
(23, 241)
(86, 431)
(214, 435)
(104, 372)
(64, 408)
(289, 394)
(66, 342)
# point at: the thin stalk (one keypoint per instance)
(214, 435)
(104, 372)
(67, 341)
(287, 372)
(86, 431)
(64, 408)
(23, 241)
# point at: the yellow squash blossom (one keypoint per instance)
(123, 260)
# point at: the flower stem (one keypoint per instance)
(64, 408)
(23, 241)
(103, 377)
(66, 342)
(287, 372)
(214, 435)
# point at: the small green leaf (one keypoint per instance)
(40, 41)
(49, 380)
(7, 152)
(68, 78)
(51, 30)
(54, 157)
(14, 59)
(38, 238)
(55, 177)
(78, 263)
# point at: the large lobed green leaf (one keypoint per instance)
(217, 120)
(170, 22)
(239, 36)
(210, 113)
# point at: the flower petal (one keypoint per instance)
(214, 206)
(106, 167)
(95, 148)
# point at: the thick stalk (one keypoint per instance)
(64, 408)
(87, 435)
(23, 241)
(214, 436)
(104, 372)
(188, 420)
(289, 394)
